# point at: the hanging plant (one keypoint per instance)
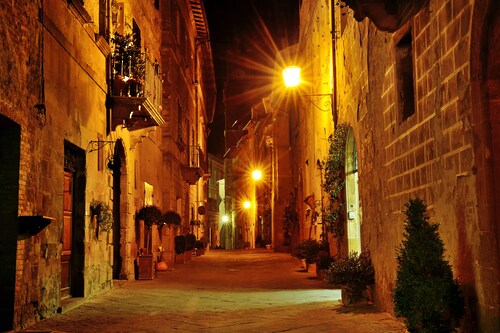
(103, 214)
(172, 218)
(150, 215)
(334, 184)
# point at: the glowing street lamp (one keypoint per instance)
(225, 219)
(246, 204)
(291, 75)
(257, 175)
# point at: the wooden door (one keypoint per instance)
(66, 236)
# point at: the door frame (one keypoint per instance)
(75, 161)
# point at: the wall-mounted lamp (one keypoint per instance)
(257, 175)
(99, 144)
(291, 77)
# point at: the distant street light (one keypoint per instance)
(291, 75)
(225, 219)
(246, 204)
(257, 175)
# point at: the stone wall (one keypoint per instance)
(430, 153)
(311, 122)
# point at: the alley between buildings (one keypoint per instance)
(222, 291)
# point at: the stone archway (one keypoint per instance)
(120, 202)
(352, 195)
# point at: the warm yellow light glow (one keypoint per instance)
(291, 75)
(246, 204)
(225, 219)
(256, 174)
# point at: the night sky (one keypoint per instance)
(245, 36)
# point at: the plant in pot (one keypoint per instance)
(200, 247)
(172, 218)
(103, 214)
(323, 263)
(425, 293)
(309, 250)
(190, 240)
(180, 248)
(129, 65)
(354, 274)
(150, 215)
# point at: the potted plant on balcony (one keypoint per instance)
(354, 274)
(129, 65)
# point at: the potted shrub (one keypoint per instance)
(190, 240)
(425, 293)
(323, 263)
(172, 218)
(150, 215)
(354, 274)
(308, 250)
(103, 214)
(180, 248)
(199, 247)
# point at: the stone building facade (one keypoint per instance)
(81, 123)
(421, 103)
(418, 89)
(216, 210)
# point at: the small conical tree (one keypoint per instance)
(425, 293)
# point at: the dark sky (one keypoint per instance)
(245, 36)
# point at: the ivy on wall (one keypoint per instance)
(334, 183)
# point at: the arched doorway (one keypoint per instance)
(352, 195)
(119, 170)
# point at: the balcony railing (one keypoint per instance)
(136, 93)
(196, 166)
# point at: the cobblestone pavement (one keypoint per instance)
(223, 291)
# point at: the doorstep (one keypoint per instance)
(70, 303)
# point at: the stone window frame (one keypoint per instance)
(398, 38)
(78, 8)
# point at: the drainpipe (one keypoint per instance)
(334, 69)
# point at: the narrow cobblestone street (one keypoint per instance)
(222, 291)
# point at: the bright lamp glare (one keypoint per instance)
(291, 75)
(225, 219)
(257, 174)
(246, 204)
